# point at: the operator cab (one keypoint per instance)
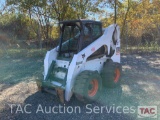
(77, 35)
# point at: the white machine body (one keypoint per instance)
(79, 61)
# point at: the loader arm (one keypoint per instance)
(81, 57)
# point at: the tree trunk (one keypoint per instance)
(125, 18)
(39, 36)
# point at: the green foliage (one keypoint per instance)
(137, 18)
(37, 19)
(19, 25)
(47, 12)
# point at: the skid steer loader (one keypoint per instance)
(86, 59)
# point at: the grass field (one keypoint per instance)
(19, 64)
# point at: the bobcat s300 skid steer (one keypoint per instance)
(86, 59)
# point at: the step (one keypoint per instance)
(51, 91)
(57, 83)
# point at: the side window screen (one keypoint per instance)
(97, 32)
(91, 33)
(87, 35)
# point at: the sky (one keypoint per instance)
(2, 3)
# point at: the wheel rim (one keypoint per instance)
(94, 88)
(117, 75)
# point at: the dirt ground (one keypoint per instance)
(140, 87)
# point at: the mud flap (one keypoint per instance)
(60, 93)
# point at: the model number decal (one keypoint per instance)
(78, 63)
(93, 49)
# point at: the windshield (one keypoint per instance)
(69, 38)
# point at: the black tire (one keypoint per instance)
(111, 74)
(87, 87)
